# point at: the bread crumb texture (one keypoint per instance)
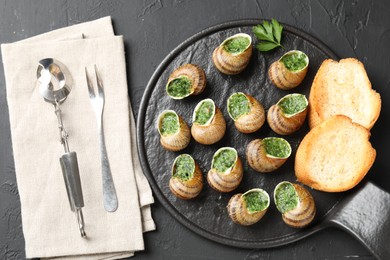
(343, 88)
(334, 156)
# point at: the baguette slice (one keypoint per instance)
(334, 156)
(343, 88)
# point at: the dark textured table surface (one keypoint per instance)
(151, 29)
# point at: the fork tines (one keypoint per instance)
(98, 81)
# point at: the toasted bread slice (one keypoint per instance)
(343, 88)
(335, 155)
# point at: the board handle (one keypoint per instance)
(365, 214)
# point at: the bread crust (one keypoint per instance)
(354, 82)
(311, 149)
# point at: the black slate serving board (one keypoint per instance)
(207, 214)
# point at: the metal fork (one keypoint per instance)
(109, 194)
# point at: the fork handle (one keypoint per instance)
(109, 194)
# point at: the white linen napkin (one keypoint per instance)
(49, 227)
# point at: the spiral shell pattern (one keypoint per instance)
(210, 133)
(239, 214)
(304, 213)
(194, 73)
(229, 63)
(226, 181)
(283, 125)
(286, 79)
(187, 189)
(176, 141)
(258, 159)
(252, 121)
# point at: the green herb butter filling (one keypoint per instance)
(169, 124)
(204, 113)
(286, 198)
(293, 104)
(236, 44)
(184, 167)
(179, 87)
(256, 201)
(277, 147)
(238, 105)
(224, 160)
(294, 61)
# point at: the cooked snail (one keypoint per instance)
(295, 203)
(208, 125)
(288, 115)
(187, 179)
(268, 154)
(248, 114)
(188, 79)
(290, 70)
(174, 132)
(248, 208)
(226, 170)
(233, 55)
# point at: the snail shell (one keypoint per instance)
(250, 121)
(186, 187)
(303, 209)
(213, 129)
(262, 160)
(284, 78)
(193, 75)
(227, 179)
(177, 140)
(245, 215)
(284, 123)
(231, 63)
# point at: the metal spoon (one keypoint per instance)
(55, 85)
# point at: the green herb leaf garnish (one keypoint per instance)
(269, 35)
